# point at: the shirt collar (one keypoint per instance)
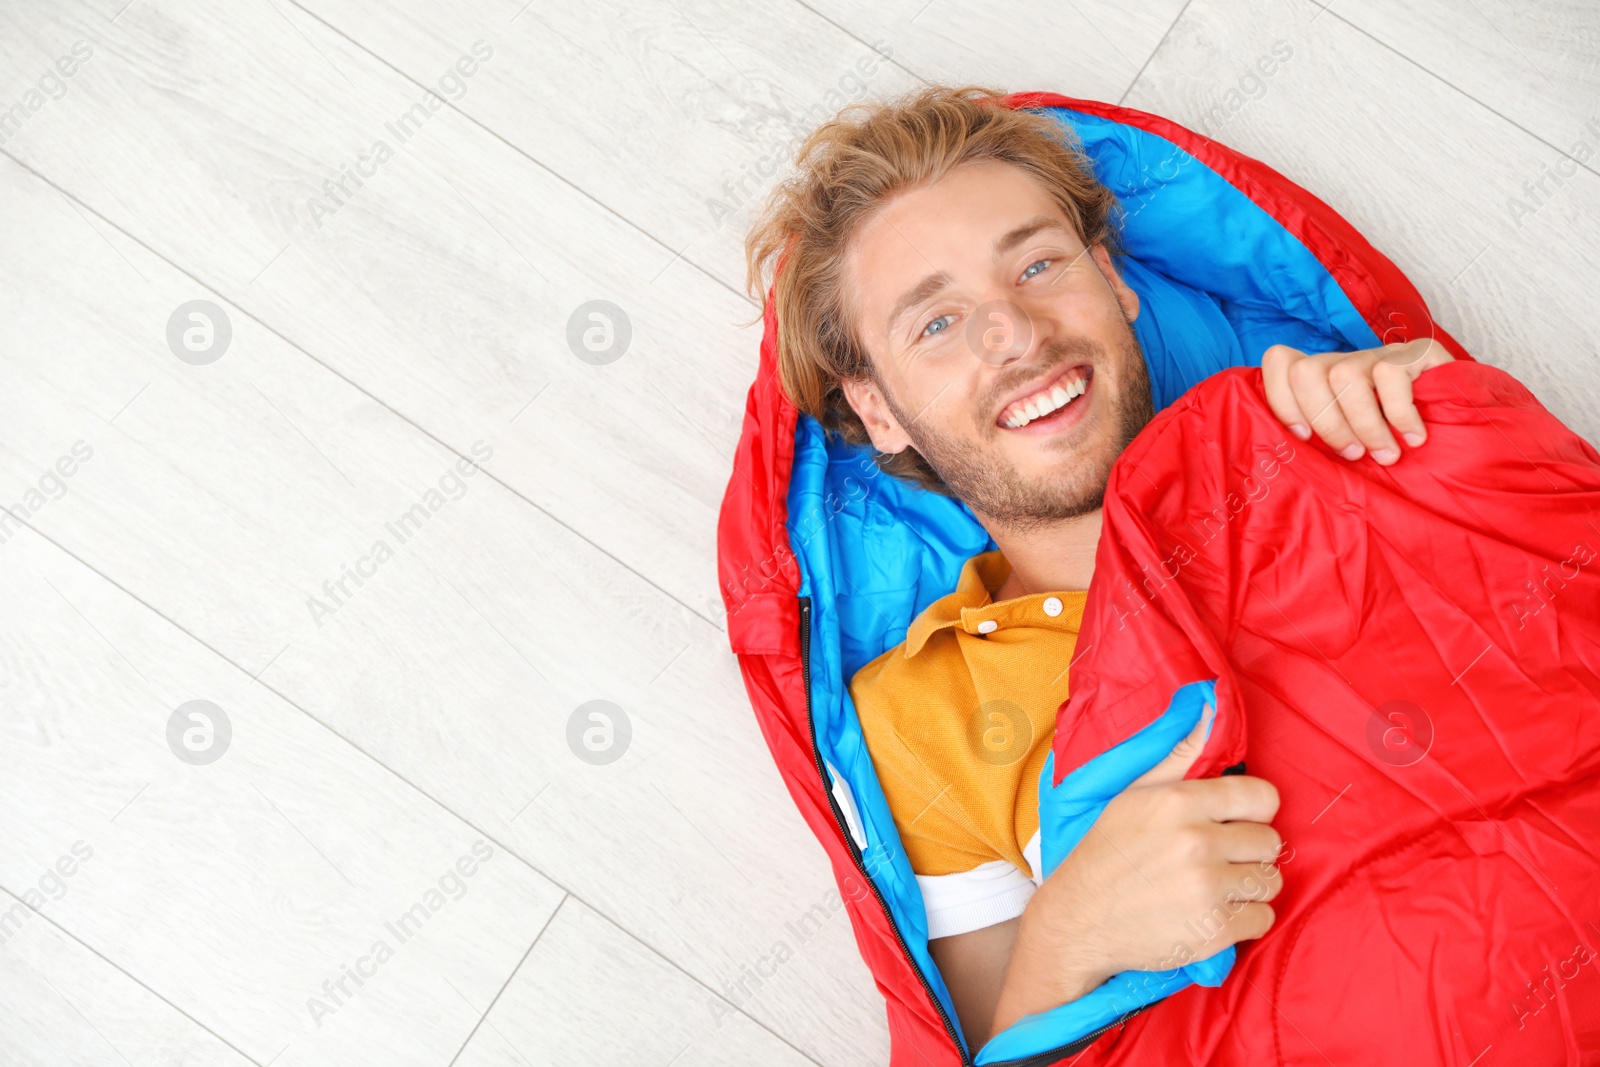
(972, 608)
(980, 574)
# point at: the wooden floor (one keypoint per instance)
(405, 853)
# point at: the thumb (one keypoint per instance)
(1175, 764)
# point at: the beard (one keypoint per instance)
(982, 479)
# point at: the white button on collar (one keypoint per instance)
(1052, 606)
(988, 626)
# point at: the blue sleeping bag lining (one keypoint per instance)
(1066, 813)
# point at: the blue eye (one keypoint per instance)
(1030, 272)
(933, 328)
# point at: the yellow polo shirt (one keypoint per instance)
(959, 718)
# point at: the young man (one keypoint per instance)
(948, 294)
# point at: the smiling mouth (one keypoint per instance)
(1050, 405)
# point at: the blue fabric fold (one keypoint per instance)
(1066, 812)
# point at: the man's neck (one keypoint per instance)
(1054, 558)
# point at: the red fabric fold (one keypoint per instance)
(1411, 655)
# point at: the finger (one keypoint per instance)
(1418, 355)
(1235, 797)
(1395, 392)
(1359, 403)
(1245, 920)
(1254, 881)
(1312, 391)
(1250, 921)
(1275, 364)
(1175, 764)
(1246, 842)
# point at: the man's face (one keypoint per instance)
(978, 303)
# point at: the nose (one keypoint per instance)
(1004, 330)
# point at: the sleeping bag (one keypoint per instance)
(1411, 654)
(824, 561)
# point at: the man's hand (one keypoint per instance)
(1346, 397)
(1167, 859)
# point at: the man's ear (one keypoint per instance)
(868, 402)
(1125, 296)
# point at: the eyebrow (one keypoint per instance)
(1025, 231)
(930, 285)
(924, 289)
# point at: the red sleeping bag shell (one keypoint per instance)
(1411, 655)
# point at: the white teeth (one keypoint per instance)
(1058, 397)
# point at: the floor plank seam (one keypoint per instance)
(1441, 79)
(1154, 51)
(505, 985)
(75, 939)
(562, 178)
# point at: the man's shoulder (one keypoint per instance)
(895, 677)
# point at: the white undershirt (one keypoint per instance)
(990, 893)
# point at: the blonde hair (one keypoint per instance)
(847, 168)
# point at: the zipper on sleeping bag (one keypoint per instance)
(1041, 1059)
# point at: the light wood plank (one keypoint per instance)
(1420, 169)
(235, 889)
(1537, 64)
(226, 495)
(674, 115)
(589, 994)
(1086, 48)
(444, 285)
(67, 1007)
